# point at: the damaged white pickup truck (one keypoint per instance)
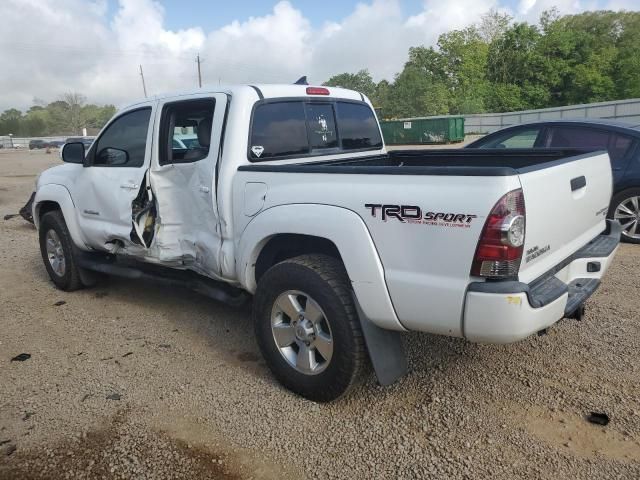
(286, 193)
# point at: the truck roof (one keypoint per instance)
(264, 90)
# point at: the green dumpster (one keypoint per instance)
(423, 130)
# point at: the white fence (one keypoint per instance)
(623, 110)
(23, 142)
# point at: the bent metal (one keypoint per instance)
(414, 214)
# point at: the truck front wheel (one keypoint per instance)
(56, 248)
(307, 327)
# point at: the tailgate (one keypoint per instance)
(566, 205)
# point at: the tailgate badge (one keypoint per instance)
(535, 252)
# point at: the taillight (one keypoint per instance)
(317, 91)
(501, 243)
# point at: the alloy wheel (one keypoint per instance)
(55, 253)
(628, 214)
(301, 332)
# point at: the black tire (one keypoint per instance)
(619, 198)
(70, 279)
(325, 280)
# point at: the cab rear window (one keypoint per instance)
(358, 126)
(296, 128)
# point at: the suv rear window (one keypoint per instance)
(306, 128)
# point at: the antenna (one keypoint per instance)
(144, 87)
(301, 81)
(199, 74)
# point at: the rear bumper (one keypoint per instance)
(508, 311)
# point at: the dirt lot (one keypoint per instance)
(129, 380)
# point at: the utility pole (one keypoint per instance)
(199, 74)
(144, 87)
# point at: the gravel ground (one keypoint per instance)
(128, 380)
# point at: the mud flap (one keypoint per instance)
(385, 349)
(88, 278)
(26, 212)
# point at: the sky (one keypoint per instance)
(96, 47)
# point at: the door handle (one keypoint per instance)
(204, 189)
(129, 186)
(578, 182)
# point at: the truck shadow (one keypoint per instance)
(228, 331)
(179, 320)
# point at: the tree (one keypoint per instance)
(10, 122)
(493, 25)
(361, 82)
(415, 94)
(464, 61)
(62, 117)
(57, 113)
(95, 116)
(515, 59)
(627, 62)
(74, 102)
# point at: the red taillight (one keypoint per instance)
(501, 243)
(317, 91)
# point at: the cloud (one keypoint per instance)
(48, 47)
(272, 48)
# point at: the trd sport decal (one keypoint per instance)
(414, 214)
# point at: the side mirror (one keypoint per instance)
(112, 157)
(73, 152)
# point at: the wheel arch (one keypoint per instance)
(283, 246)
(52, 197)
(45, 207)
(335, 231)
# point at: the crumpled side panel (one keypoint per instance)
(186, 229)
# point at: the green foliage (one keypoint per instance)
(67, 116)
(499, 66)
(361, 81)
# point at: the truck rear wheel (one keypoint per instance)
(56, 248)
(307, 327)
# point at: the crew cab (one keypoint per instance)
(290, 198)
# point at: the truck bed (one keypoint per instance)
(457, 162)
(427, 262)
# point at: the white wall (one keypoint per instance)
(622, 110)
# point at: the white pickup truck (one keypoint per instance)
(289, 196)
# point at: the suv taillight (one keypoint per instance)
(501, 243)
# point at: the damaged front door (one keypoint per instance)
(114, 180)
(183, 181)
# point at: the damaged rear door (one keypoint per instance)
(189, 134)
(114, 179)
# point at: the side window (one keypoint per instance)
(590, 138)
(574, 137)
(619, 146)
(321, 123)
(124, 142)
(357, 126)
(186, 131)
(519, 139)
(278, 129)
